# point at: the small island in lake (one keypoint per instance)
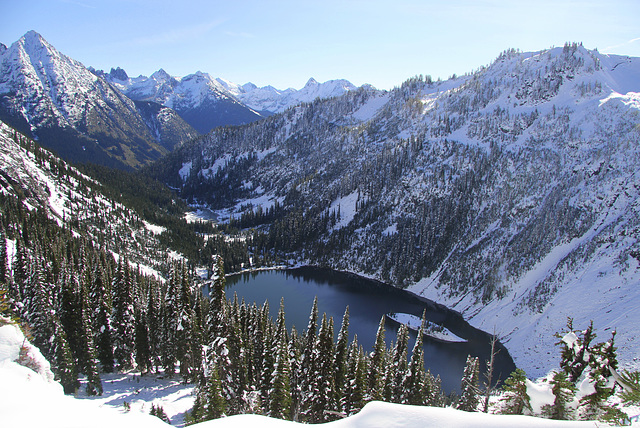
(432, 330)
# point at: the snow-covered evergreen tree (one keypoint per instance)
(398, 368)
(355, 389)
(123, 317)
(470, 395)
(563, 392)
(516, 400)
(279, 405)
(376, 370)
(415, 388)
(340, 359)
(104, 342)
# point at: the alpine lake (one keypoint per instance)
(369, 300)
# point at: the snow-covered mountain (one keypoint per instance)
(271, 100)
(511, 194)
(78, 114)
(197, 98)
(206, 102)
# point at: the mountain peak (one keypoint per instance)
(161, 75)
(119, 74)
(249, 87)
(312, 82)
(33, 41)
(32, 35)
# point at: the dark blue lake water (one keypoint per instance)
(368, 301)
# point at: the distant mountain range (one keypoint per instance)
(206, 102)
(108, 118)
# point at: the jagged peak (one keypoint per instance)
(32, 35)
(161, 75)
(32, 40)
(118, 73)
(311, 82)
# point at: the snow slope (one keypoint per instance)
(31, 398)
(49, 184)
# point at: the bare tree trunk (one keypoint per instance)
(489, 373)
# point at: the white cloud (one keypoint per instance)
(629, 42)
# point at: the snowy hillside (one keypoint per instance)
(56, 99)
(510, 194)
(47, 184)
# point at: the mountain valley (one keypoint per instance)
(510, 194)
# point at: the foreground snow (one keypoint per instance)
(30, 398)
(387, 415)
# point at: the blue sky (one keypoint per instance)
(284, 43)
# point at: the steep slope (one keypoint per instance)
(72, 111)
(44, 182)
(503, 194)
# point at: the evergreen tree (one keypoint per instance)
(71, 312)
(123, 317)
(215, 402)
(185, 325)
(376, 371)
(575, 349)
(4, 270)
(414, 385)
(88, 351)
(307, 361)
(64, 367)
(602, 360)
(398, 367)
(217, 297)
(516, 400)
(582, 361)
(320, 396)
(104, 344)
(470, 395)
(143, 350)
(280, 393)
(355, 388)
(295, 379)
(159, 412)
(340, 360)
(563, 392)
(20, 267)
(38, 309)
(268, 358)
(155, 327)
